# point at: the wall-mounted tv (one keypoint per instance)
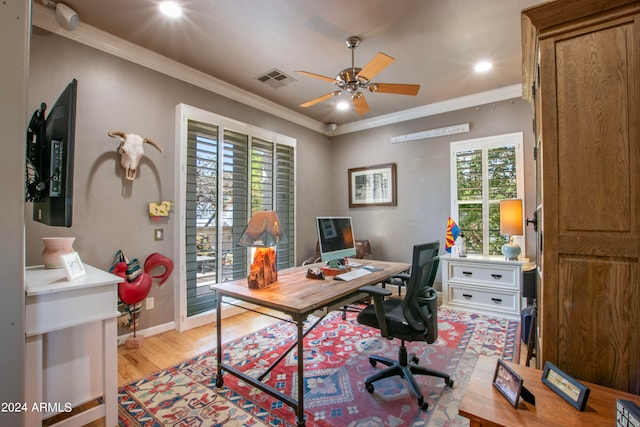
(50, 152)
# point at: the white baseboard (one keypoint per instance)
(154, 330)
(228, 311)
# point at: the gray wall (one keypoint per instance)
(424, 201)
(14, 45)
(111, 214)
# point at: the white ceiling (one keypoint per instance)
(435, 43)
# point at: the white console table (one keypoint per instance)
(67, 322)
(484, 284)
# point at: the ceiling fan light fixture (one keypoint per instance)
(355, 79)
(342, 105)
(170, 9)
(482, 66)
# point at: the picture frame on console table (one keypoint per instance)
(72, 266)
(373, 186)
(567, 387)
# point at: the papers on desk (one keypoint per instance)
(353, 262)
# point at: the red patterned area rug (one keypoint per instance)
(335, 367)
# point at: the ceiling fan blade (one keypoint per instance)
(321, 98)
(377, 64)
(316, 76)
(360, 103)
(398, 89)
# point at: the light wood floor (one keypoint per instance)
(170, 348)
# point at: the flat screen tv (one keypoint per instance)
(335, 235)
(50, 152)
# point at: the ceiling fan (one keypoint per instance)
(355, 79)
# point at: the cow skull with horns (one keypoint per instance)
(131, 151)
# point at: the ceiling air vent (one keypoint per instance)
(275, 78)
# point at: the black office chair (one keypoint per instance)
(413, 318)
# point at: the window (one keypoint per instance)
(227, 171)
(485, 171)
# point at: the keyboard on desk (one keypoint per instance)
(353, 274)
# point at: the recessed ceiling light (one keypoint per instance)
(342, 105)
(171, 9)
(483, 67)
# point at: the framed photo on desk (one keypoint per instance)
(567, 387)
(507, 382)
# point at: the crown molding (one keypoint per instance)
(454, 104)
(88, 35)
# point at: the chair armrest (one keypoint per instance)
(378, 295)
(397, 278)
(376, 291)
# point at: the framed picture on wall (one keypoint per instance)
(373, 186)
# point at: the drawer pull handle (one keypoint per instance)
(467, 273)
(497, 300)
(497, 276)
(467, 296)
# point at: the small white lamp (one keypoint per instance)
(511, 225)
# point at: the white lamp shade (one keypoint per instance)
(511, 217)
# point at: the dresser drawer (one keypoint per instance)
(494, 300)
(492, 275)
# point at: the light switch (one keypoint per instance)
(158, 234)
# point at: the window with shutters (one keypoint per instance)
(485, 171)
(229, 171)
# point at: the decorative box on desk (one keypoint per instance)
(484, 284)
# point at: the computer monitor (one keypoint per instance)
(335, 235)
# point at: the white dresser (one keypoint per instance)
(71, 345)
(486, 284)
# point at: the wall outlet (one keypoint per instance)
(150, 303)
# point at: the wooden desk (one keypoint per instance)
(298, 297)
(485, 406)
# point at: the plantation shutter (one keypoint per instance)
(285, 196)
(470, 197)
(235, 199)
(502, 184)
(200, 217)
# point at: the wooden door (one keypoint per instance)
(590, 188)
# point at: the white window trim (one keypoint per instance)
(184, 113)
(485, 144)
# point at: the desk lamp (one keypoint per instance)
(263, 233)
(511, 225)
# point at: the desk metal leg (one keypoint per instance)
(219, 381)
(300, 409)
(296, 404)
